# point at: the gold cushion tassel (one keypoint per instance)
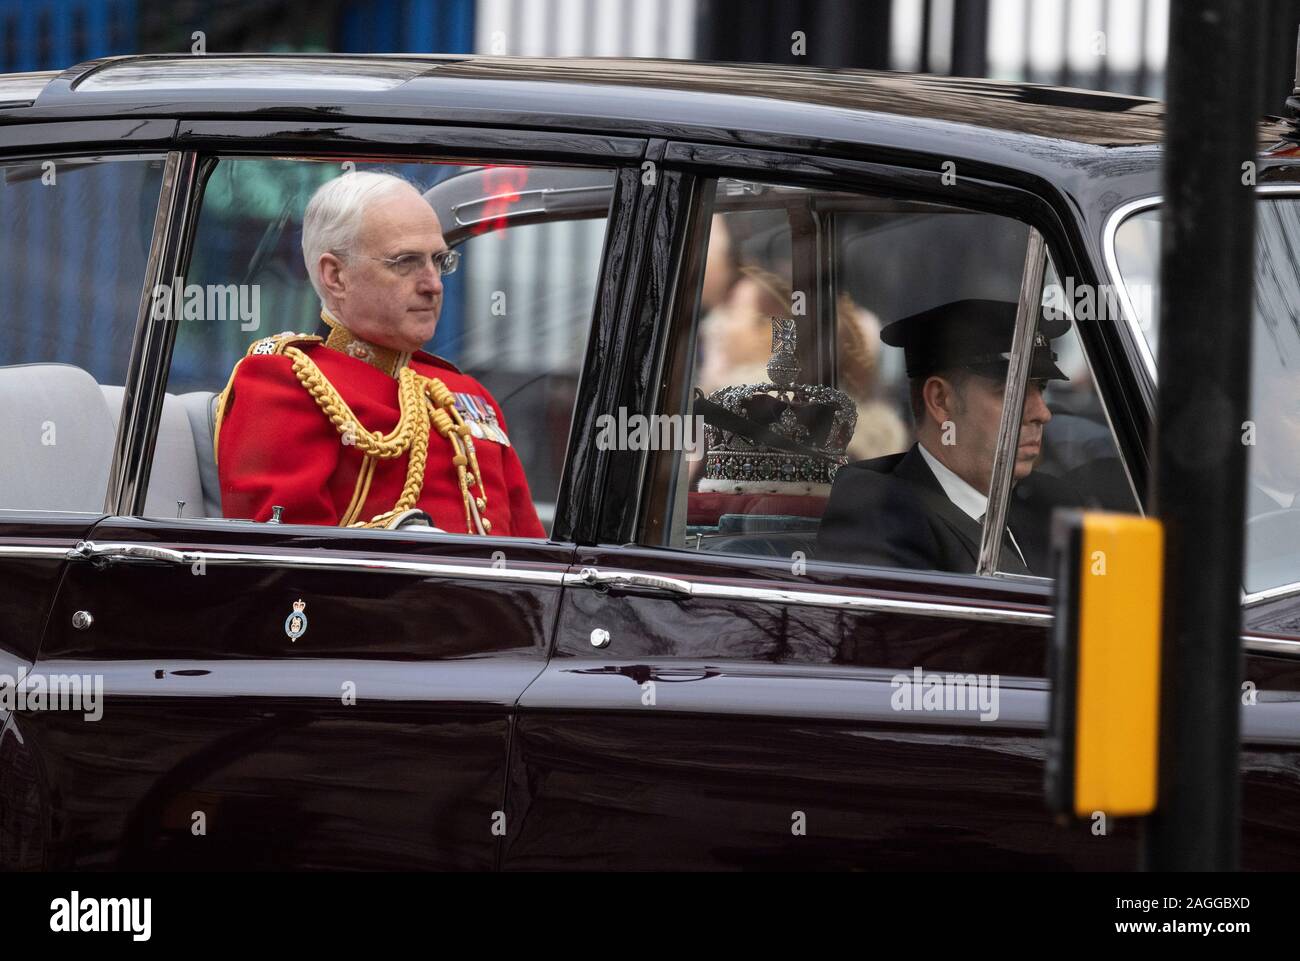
(422, 402)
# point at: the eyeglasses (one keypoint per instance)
(444, 263)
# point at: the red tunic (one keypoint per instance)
(276, 447)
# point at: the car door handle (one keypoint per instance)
(101, 554)
(604, 580)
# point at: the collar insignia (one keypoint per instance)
(344, 341)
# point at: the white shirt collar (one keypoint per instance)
(971, 501)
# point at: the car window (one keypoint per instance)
(1272, 433)
(511, 329)
(75, 240)
(1137, 253)
(846, 363)
(1075, 459)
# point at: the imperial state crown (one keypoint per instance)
(781, 437)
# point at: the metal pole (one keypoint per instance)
(1207, 294)
(970, 35)
(1276, 22)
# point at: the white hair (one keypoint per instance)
(333, 216)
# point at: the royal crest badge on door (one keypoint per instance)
(295, 625)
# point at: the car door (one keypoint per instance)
(721, 698)
(285, 696)
(374, 739)
(755, 722)
(77, 228)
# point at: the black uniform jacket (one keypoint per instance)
(892, 512)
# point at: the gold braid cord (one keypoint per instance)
(423, 402)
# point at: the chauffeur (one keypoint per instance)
(360, 427)
(923, 509)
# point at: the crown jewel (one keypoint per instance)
(778, 437)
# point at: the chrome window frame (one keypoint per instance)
(1113, 223)
(1001, 480)
(1051, 263)
(1116, 220)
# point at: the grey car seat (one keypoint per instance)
(175, 474)
(201, 409)
(57, 433)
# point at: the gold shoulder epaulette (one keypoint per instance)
(276, 343)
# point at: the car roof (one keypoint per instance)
(1056, 132)
(1080, 116)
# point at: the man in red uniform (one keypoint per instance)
(361, 427)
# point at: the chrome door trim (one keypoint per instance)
(128, 553)
(806, 598)
(23, 550)
(880, 605)
(1270, 594)
(1252, 643)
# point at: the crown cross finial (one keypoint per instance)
(783, 367)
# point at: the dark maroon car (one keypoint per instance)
(672, 679)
